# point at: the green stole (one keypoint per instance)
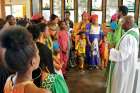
(112, 64)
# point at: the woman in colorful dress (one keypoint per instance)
(94, 35)
(63, 39)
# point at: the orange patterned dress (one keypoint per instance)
(18, 88)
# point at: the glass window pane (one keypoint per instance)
(99, 13)
(82, 6)
(69, 4)
(46, 4)
(97, 4)
(8, 10)
(35, 6)
(112, 7)
(130, 4)
(18, 8)
(57, 7)
(131, 13)
(46, 14)
(72, 15)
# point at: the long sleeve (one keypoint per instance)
(125, 49)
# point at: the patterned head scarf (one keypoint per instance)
(85, 14)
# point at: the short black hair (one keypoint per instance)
(22, 22)
(67, 12)
(34, 30)
(9, 17)
(42, 26)
(20, 48)
(53, 16)
(81, 33)
(124, 10)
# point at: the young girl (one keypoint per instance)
(81, 50)
(93, 37)
(104, 52)
(56, 57)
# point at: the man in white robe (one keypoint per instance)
(125, 56)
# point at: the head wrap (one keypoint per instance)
(36, 17)
(114, 17)
(93, 17)
(85, 14)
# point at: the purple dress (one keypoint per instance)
(94, 34)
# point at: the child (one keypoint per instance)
(72, 56)
(104, 52)
(81, 49)
(56, 58)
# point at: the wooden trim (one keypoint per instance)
(104, 2)
(137, 4)
(120, 3)
(51, 7)
(2, 9)
(62, 9)
(40, 7)
(89, 6)
(76, 10)
(31, 7)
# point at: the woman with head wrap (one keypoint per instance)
(84, 22)
(93, 37)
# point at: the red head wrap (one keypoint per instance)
(93, 18)
(36, 16)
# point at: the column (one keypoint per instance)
(2, 8)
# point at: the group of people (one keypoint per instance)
(35, 56)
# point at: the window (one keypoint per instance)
(97, 9)
(97, 4)
(57, 7)
(131, 6)
(46, 9)
(111, 9)
(82, 6)
(46, 4)
(12, 10)
(35, 6)
(8, 10)
(18, 8)
(69, 6)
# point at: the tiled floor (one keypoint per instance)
(88, 82)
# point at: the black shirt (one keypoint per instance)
(45, 57)
(46, 60)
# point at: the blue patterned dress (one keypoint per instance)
(94, 34)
